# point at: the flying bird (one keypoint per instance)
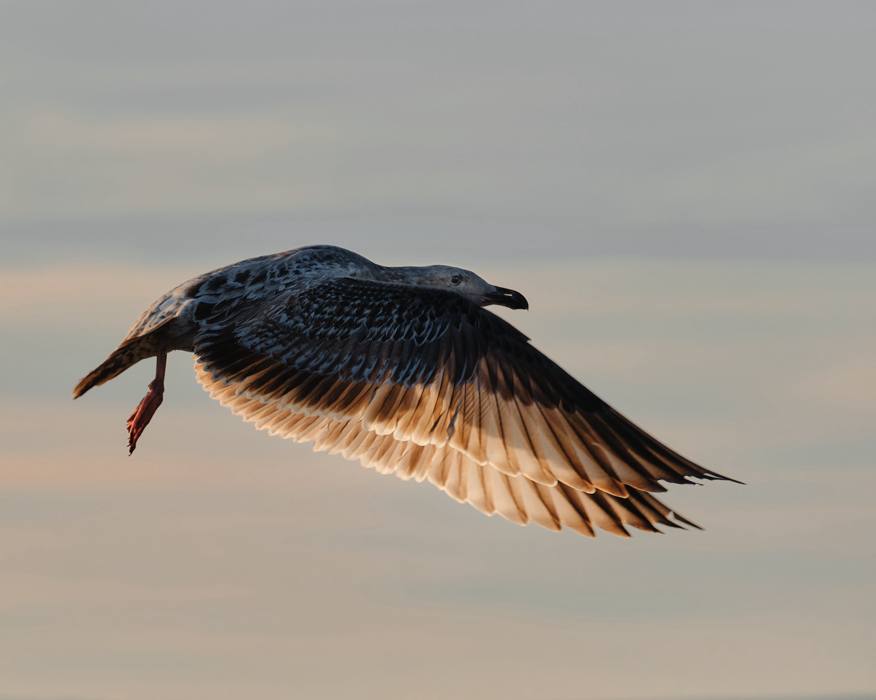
(404, 370)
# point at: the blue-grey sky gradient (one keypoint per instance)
(684, 192)
(738, 129)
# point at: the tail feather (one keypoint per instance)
(119, 360)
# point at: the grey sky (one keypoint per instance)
(738, 129)
(684, 192)
(218, 562)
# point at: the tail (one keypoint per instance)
(123, 357)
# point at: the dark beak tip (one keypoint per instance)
(508, 298)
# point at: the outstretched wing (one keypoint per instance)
(515, 498)
(433, 371)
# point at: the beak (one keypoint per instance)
(506, 297)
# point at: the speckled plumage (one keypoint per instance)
(403, 370)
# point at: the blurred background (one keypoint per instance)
(684, 192)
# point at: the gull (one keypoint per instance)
(404, 370)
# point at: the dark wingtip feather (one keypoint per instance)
(680, 518)
(721, 477)
(709, 475)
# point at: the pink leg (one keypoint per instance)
(148, 405)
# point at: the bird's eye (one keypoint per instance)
(456, 279)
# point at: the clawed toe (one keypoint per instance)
(141, 416)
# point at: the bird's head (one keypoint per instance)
(465, 283)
